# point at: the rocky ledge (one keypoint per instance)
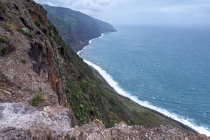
(97, 131)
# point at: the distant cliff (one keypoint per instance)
(75, 27)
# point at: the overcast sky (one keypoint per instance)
(141, 11)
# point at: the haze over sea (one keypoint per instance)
(165, 68)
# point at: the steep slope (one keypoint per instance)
(32, 95)
(75, 27)
(42, 81)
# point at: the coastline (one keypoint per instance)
(152, 110)
(181, 122)
(89, 42)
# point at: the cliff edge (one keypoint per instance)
(32, 96)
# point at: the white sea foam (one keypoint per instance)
(101, 35)
(115, 85)
(90, 41)
(96, 38)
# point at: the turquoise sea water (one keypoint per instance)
(163, 68)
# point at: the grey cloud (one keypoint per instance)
(141, 11)
(91, 5)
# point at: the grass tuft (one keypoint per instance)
(3, 39)
(36, 99)
(37, 22)
(2, 10)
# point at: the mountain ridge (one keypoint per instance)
(79, 28)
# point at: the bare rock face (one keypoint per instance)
(21, 116)
(97, 131)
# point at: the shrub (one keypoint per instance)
(2, 10)
(36, 99)
(23, 31)
(40, 89)
(23, 61)
(3, 39)
(3, 48)
(10, 26)
(37, 22)
(62, 50)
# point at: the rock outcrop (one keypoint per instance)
(97, 131)
(19, 116)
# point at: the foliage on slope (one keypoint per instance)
(90, 98)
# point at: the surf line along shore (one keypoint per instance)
(95, 69)
(106, 82)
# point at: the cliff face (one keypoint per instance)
(46, 89)
(75, 27)
(104, 27)
(32, 95)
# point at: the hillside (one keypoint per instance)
(75, 27)
(46, 89)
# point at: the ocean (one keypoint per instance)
(165, 68)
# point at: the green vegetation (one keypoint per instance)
(82, 104)
(37, 22)
(23, 31)
(3, 44)
(2, 10)
(3, 47)
(37, 98)
(40, 89)
(62, 50)
(23, 61)
(10, 26)
(3, 39)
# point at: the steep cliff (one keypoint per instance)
(32, 94)
(46, 89)
(75, 27)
